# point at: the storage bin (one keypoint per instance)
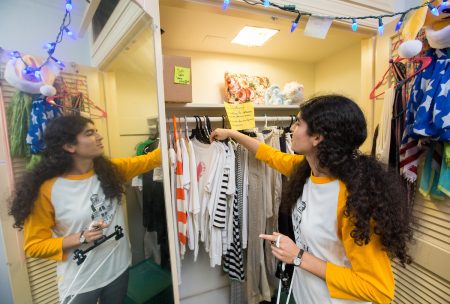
(148, 283)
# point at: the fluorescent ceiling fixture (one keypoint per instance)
(254, 36)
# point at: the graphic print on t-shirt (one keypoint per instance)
(297, 217)
(201, 169)
(101, 208)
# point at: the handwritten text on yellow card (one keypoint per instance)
(182, 75)
(241, 116)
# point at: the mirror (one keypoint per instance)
(123, 86)
(131, 94)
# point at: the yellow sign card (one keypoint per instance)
(241, 116)
(182, 75)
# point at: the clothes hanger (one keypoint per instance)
(194, 131)
(170, 139)
(204, 131)
(208, 125)
(200, 134)
(266, 129)
(175, 130)
(424, 63)
(288, 128)
(186, 129)
(223, 122)
(78, 106)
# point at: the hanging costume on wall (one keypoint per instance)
(430, 181)
(428, 111)
(41, 114)
(30, 86)
(18, 117)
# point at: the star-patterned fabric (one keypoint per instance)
(41, 114)
(428, 112)
(428, 109)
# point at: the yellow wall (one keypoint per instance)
(348, 72)
(208, 71)
(340, 73)
(131, 99)
(343, 73)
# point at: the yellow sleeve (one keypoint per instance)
(282, 162)
(370, 277)
(133, 166)
(37, 230)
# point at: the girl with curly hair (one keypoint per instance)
(72, 198)
(350, 215)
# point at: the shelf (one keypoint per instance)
(191, 109)
(178, 106)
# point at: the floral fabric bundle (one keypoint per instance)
(240, 88)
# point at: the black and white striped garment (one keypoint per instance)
(220, 214)
(234, 259)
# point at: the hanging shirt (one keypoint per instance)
(180, 198)
(187, 188)
(203, 155)
(213, 241)
(173, 178)
(194, 199)
(67, 205)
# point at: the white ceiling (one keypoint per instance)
(138, 56)
(205, 27)
(201, 25)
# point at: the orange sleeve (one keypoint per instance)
(133, 166)
(37, 230)
(282, 162)
(370, 277)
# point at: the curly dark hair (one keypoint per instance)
(377, 201)
(56, 161)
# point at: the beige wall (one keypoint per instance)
(348, 72)
(340, 73)
(208, 71)
(131, 98)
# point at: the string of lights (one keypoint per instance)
(34, 73)
(354, 20)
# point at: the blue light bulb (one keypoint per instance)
(50, 45)
(398, 26)
(354, 25)
(69, 32)
(37, 73)
(380, 26)
(225, 4)
(15, 54)
(295, 22)
(266, 3)
(293, 26)
(69, 5)
(433, 9)
(399, 23)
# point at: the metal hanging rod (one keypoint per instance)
(190, 119)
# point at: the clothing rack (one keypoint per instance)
(191, 119)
